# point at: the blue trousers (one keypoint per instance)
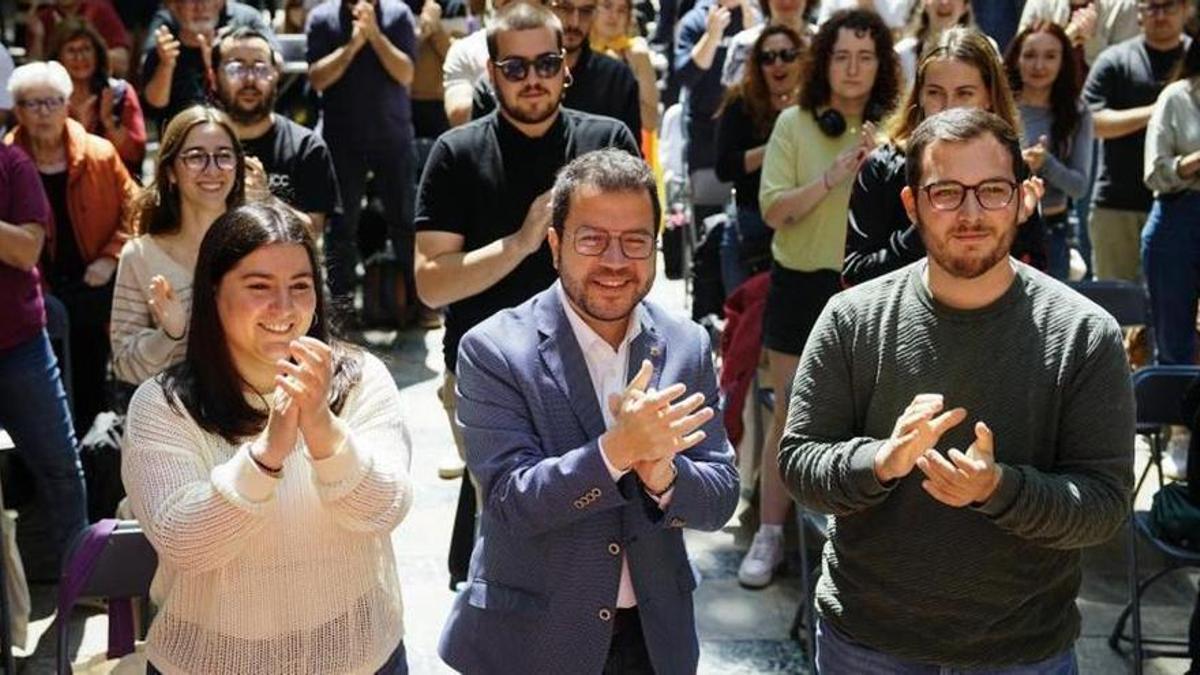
(34, 411)
(837, 655)
(749, 229)
(1171, 265)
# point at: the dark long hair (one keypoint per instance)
(72, 29)
(965, 45)
(1189, 66)
(815, 91)
(159, 211)
(920, 28)
(753, 90)
(1064, 93)
(207, 382)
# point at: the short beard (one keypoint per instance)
(576, 291)
(969, 268)
(521, 116)
(244, 117)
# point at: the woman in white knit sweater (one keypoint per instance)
(269, 469)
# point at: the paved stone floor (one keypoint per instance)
(741, 631)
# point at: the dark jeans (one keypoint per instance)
(397, 664)
(88, 310)
(748, 235)
(390, 165)
(838, 655)
(1171, 265)
(627, 653)
(1058, 246)
(33, 409)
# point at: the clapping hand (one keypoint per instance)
(917, 430)
(961, 479)
(306, 378)
(166, 307)
(648, 427)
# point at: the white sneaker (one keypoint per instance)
(761, 561)
(1175, 458)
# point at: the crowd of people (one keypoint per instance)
(894, 191)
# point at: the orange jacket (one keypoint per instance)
(100, 192)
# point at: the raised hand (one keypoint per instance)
(917, 430)
(166, 307)
(167, 46)
(717, 21)
(306, 379)
(537, 221)
(962, 479)
(257, 184)
(278, 439)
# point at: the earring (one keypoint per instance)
(569, 80)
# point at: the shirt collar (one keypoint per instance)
(589, 339)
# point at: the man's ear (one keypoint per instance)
(555, 244)
(909, 199)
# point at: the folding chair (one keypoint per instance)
(1159, 392)
(110, 559)
(1124, 300)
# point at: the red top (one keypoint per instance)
(22, 201)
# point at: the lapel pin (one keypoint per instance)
(655, 351)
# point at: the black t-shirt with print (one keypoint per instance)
(298, 167)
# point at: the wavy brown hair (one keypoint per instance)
(753, 90)
(72, 29)
(816, 92)
(1064, 93)
(965, 45)
(207, 383)
(160, 212)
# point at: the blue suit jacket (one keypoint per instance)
(547, 563)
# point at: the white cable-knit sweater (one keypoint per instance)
(259, 574)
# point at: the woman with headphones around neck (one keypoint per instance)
(815, 149)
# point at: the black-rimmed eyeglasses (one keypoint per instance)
(592, 242)
(545, 66)
(44, 105)
(198, 161)
(991, 195)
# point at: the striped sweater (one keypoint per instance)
(140, 347)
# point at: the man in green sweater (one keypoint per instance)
(969, 423)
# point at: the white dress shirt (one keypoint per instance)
(609, 370)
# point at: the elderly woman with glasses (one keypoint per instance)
(91, 197)
(200, 174)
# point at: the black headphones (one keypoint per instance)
(833, 124)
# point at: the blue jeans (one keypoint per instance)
(1058, 246)
(837, 655)
(1171, 265)
(748, 230)
(34, 411)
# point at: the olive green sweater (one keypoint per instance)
(993, 584)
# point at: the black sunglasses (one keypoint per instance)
(767, 56)
(516, 68)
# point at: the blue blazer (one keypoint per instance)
(547, 563)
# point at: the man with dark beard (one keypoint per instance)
(596, 83)
(972, 560)
(482, 206)
(589, 472)
(285, 157)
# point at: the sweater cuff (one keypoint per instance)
(1011, 481)
(346, 464)
(242, 481)
(862, 471)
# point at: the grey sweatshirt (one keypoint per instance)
(989, 585)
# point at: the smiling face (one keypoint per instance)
(205, 183)
(781, 77)
(267, 300)
(1040, 61)
(604, 288)
(78, 56)
(950, 83)
(968, 241)
(853, 65)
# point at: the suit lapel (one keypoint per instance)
(647, 345)
(563, 360)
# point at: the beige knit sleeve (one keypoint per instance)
(198, 511)
(140, 349)
(366, 483)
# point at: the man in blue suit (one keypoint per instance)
(588, 477)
